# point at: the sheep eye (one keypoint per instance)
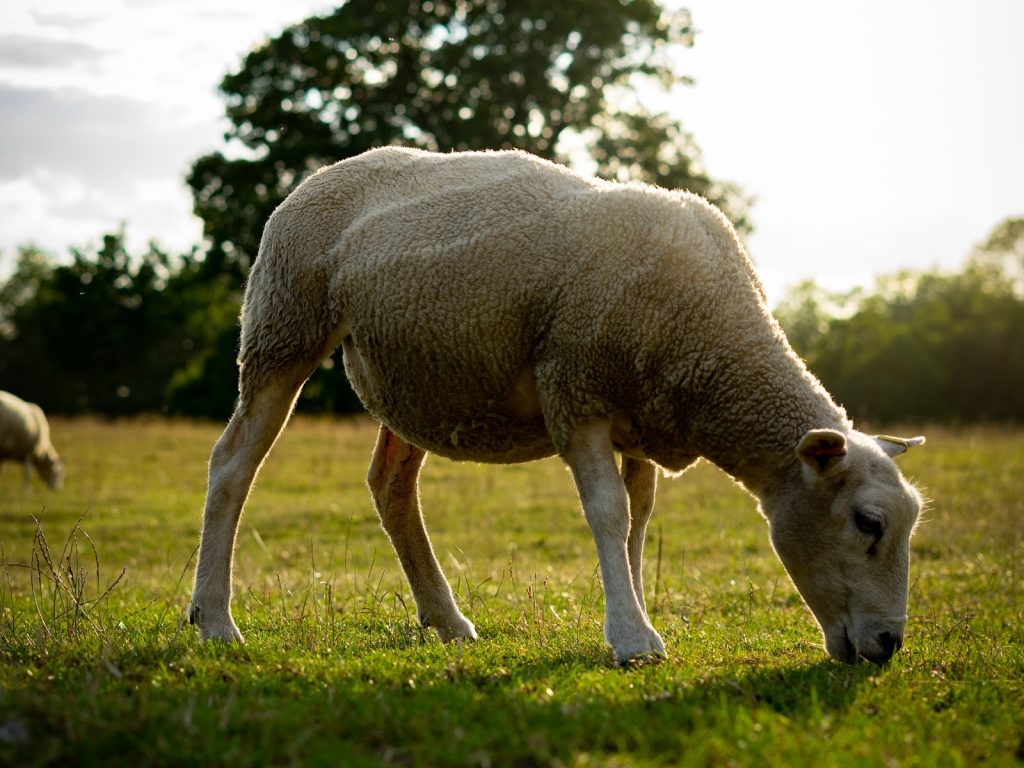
(868, 523)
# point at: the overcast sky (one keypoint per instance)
(874, 136)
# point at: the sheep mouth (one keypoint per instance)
(841, 648)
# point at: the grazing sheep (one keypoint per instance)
(25, 438)
(496, 307)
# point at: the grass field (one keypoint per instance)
(96, 668)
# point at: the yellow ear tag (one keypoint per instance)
(896, 440)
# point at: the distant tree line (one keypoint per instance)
(120, 334)
(925, 346)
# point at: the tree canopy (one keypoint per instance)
(448, 75)
(109, 331)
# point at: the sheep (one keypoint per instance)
(25, 438)
(496, 307)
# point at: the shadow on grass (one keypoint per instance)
(795, 692)
(231, 708)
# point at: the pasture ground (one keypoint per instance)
(96, 667)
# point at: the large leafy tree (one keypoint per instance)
(447, 75)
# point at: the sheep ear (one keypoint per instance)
(894, 446)
(822, 449)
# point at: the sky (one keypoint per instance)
(875, 136)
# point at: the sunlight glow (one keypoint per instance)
(871, 137)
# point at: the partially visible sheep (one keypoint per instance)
(25, 438)
(495, 307)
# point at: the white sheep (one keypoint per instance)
(25, 438)
(495, 307)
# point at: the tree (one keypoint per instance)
(654, 148)
(77, 341)
(807, 310)
(922, 346)
(446, 75)
(32, 268)
(1003, 250)
(108, 331)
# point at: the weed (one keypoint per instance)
(63, 606)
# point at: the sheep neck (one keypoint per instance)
(756, 409)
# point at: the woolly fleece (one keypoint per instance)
(488, 302)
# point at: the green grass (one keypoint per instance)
(96, 668)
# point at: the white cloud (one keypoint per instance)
(105, 139)
(37, 52)
(159, 210)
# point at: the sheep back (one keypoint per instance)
(490, 301)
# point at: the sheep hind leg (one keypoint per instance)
(393, 476)
(640, 478)
(258, 419)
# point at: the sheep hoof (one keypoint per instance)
(644, 660)
(459, 629)
(223, 629)
(224, 632)
(638, 648)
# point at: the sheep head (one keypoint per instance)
(841, 522)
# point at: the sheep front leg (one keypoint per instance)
(606, 507)
(640, 478)
(394, 472)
